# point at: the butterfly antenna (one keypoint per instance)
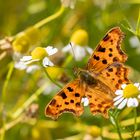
(74, 56)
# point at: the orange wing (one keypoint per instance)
(101, 95)
(114, 76)
(67, 100)
(106, 65)
(107, 51)
(100, 98)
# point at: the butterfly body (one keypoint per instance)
(103, 75)
(87, 77)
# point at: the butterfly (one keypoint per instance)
(103, 75)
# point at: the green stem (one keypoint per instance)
(4, 129)
(50, 18)
(10, 125)
(116, 124)
(29, 101)
(52, 80)
(135, 124)
(8, 76)
(118, 129)
(11, 68)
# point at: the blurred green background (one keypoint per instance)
(96, 17)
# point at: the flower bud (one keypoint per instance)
(80, 37)
(38, 53)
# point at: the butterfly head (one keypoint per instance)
(87, 77)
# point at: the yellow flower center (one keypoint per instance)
(80, 37)
(38, 53)
(130, 91)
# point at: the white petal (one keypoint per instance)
(117, 97)
(51, 50)
(123, 86)
(46, 62)
(119, 92)
(134, 102)
(31, 61)
(122, 104)
(20, 65)
(89, 50)
(118, 101)
(67, 48)
(26, 58)
(129, 103)
(32, 68)
(139, 96)
(85, 101)
(79, 52)
(139, 88)
(136, 84)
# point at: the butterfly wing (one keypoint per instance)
(66, 100)
(114, 76)
(108, 51)
(100, 98)
(106, 65)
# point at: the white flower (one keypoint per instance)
(38, 54)
(29, 69)
(79, 52)
(35, 57)
(85, 101)
(127, 95)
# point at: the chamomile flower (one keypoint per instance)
(40, 54)
(128, 96)
(78, 46)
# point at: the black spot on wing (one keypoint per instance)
(115, 59)
(110, 69)
(106, 37)
(53, 102)
(71, 101)
(77, 95)
(101, 49)
(77, 104)
(110, 49)
(104, 61)
(63, 95)
(96, 57)
(66, 103)
(110, 55)
(70, 89)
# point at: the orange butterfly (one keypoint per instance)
(103, 75)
